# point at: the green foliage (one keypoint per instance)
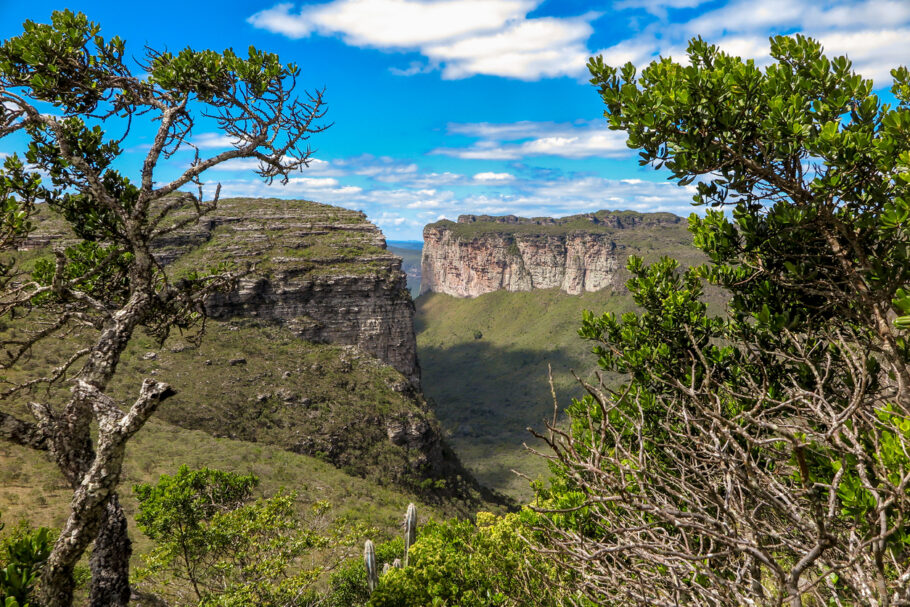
(796, 402)
(458, 563)
(22, 553)
(349, 586)
(176, 508)
(217, 546)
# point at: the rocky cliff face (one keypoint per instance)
(322, 271)
(347, 391)
(480, 254)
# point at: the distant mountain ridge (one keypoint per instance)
(579, 253)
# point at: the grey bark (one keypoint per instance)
(110, 561)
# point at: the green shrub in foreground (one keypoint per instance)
(458, 563)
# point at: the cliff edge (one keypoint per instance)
(321, 271)
(576, 254)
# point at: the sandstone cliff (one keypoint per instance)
(321, 271)
(575, 254)
(313, 352)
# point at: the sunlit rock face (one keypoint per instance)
(480, 254)
(322, 271)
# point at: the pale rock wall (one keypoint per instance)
(322, 271)
(556, 255)
(467, 268)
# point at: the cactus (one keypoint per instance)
(369, 552)
(369, 559)
(410, 530)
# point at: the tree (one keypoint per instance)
(215, 545)
(73, 96)
(761, 457)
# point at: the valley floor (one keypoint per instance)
(484, 364)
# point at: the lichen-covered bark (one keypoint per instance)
(92, 503)
(110, 561)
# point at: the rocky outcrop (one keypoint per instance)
(575, 254)
(322, 271)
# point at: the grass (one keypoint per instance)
(278, 235)
(32, 489)
(485, 364)
(600, 222)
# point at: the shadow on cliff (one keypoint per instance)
(487, 395)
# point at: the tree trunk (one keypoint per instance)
(110, 561)
(95, 511)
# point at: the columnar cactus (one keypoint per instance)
(410, 530)
(369, 552)
(369, 559)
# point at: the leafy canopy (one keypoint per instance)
(746, 455)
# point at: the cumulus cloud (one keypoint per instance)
(872, 33)
(489, 177)
(528, 139)
(401, 209)
(526, 50)
(392, 23)
(318, 189)
(461, 37)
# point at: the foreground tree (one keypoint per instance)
(73, 96)
(761, 457)
(216, 545)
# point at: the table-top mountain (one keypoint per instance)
(576, 254)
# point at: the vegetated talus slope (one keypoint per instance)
(258, 382)
(259, 376)
(32, 488)
(485, 366)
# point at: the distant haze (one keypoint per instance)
(410, 252)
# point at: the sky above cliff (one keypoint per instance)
(445, 107)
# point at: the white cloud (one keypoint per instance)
(806, 15)
(527, 139)
(489, 177)
(435, 180)
(322, 168)
(414, 68)
(210, 141)
(392, 23)
(873, 52)
(527, 50)
(657, 7)
(322, 190)
(872, 33)
(402, 211)
(461, 37)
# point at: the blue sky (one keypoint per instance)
(443, 107)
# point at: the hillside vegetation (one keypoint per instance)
(485, 363)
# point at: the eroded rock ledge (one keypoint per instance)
(322, 271)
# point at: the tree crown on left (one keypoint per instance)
(73, 98)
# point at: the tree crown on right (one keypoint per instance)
(762, 456)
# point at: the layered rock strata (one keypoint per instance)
(575, 254)
(322, 271)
